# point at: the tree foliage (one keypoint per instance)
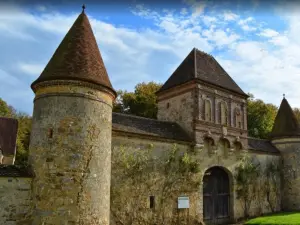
(140, 173)
(297, 113)
(141, 102)
(258, 181)
(246, 176)
(261, 117)
(271, 184)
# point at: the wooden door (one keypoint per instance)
(216, 197)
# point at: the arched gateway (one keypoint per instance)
(216, 196)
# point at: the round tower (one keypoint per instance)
(70, 148)
(286, 138)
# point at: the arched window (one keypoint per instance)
(223, 114)
(207, 108)
(238, 118)
(238, 149)
(208, 145)
(224, 147)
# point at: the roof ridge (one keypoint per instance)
(146, 118)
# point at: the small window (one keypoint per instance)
(152, 202)
(50, 133)
(168, 105)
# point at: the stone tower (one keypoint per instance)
(204, 100)
(285, 137)
(70, 148)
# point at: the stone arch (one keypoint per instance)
(223, 113)
(209, 144)
(224, 146)
(237, 147)
(217, 193)
(207, 110)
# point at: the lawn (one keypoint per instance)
(280, 218)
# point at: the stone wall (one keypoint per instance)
(16, 198)
(15, 201)
(179, 108)
(290, 151)
(207, 160)
(140, 195)
(259, 205)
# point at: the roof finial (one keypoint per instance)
(283, 95)
(83, 8)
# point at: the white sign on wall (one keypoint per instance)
(183, 203)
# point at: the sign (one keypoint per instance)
(183, 203)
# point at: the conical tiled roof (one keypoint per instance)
(286, 124)
(77, 57)
(201, 66)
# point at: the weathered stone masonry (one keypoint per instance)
(72, 166)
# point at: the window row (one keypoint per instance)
(222, 114)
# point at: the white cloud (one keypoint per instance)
(269, 33)
(209, 20)
(41, 8)
(183, 11)
(244, 23)
(31, 69)
(229, 16)
(151, 53)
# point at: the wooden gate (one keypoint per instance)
(216, 197)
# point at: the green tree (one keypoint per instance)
(23, 138)
(297, 113)
(141, 102)
(261, 117)
(5, 109)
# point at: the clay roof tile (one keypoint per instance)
(77, 57)
(199, 65)
(286, 124)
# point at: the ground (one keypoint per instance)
(280, 218)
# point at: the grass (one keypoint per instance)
(280, 218)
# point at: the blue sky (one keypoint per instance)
(256, 43)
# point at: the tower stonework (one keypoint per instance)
(70, 148)
(286, 138)
(205, 101)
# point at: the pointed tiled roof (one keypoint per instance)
(77, 57)
(286, 124)
(200, 66)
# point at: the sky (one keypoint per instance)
(256, 42)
